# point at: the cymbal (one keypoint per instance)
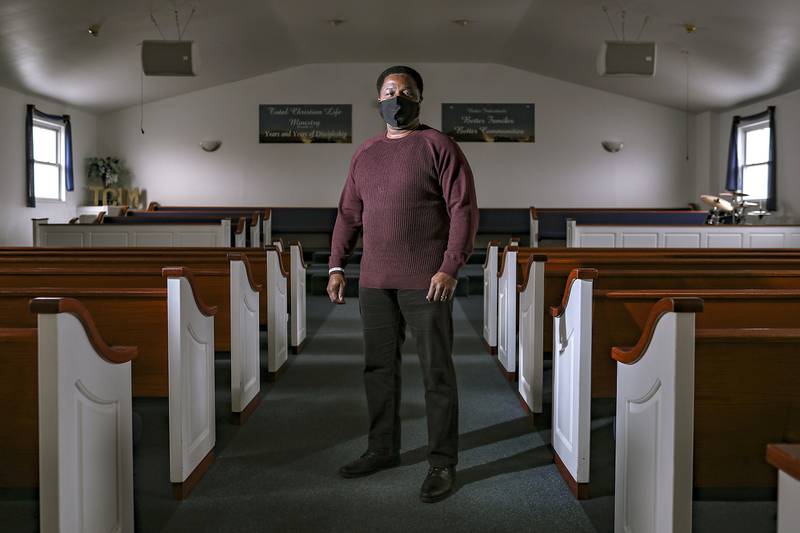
(759, 213)
(749, 204)
(733, 194)
(715, 201)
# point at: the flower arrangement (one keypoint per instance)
(108, 170)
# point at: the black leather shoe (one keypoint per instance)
(438, 483)
(369, 463)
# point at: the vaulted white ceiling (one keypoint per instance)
(744, 49)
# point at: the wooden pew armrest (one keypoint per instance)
(525, 271)
(247, 268)
(300, 246)
(52, 306)
(785, 457)
(576, 274)
(183, 272)
(629, 356)
(284, 272)
(488, 248)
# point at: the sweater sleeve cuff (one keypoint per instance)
(335, 262)
(450, 266)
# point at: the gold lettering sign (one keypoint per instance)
(116, 196)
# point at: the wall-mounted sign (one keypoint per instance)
(489, 122)
(305, 123)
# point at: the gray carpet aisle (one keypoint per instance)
(279, 473)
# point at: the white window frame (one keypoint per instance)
(744, 129)
(59, 128)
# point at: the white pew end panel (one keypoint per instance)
(655, 422)
(297, 294)
(192, 424)
(531, 334)
(786, 458)
(490, 298)
(277, 319)
(245, 338)
(572, 380)
(85, 425)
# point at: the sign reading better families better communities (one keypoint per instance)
(293, 123)
(489, 122)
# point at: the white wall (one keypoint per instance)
(565, 167)
(15, 217)
(787, 124)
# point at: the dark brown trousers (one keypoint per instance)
(385, 314)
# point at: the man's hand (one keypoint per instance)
(336, 285)
(443, 287)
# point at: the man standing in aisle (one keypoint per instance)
(410, 191)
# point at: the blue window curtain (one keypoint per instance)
(32, 113)
(733, 181)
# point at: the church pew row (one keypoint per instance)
(658, 235)
(132, 235)
(539, 291)
(590, 323)
(175, 337)
(197, 260)
(153, 257)
(248, 224)
(265, 214)
(697, 407)
(550, 224)
(497, 269)
(786, 458)
(550, 273)
(542, 285)
(231, 288)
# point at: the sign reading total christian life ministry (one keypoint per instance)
(489, 122)
(305, 123)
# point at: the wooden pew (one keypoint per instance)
(582, 369)
(562, 261)
(697, 407)
(550, 224)
(265, 214)
(786, 458)
(175, 333)
(131, 234)
(246, 225)
(195, 259)
(658, 235)
(749, 270)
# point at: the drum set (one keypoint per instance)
(731, 208)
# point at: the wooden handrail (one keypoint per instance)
(247, 268)
(272, 248)
(52, 306)
(525, 270)
(489, 247)
(785, 457)
(576, 274)
(183, 272)
(629, 356)
(70, 292)
(300, 247)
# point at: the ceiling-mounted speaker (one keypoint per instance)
(170, 58)
(628, 59)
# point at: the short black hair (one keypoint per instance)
(400, 69)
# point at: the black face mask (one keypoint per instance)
(399, 112)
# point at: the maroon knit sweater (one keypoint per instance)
(414, 200)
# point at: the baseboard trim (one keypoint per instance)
(182, 490)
